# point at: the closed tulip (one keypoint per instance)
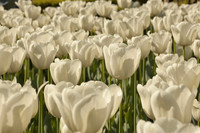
(161, 42)
(6, 58)
(22, 3)
(121, 60)
(196, 110)
(166, 125)
(104, 8)
(18, 56)
(185, 33)
(17, 105)
(82, 50)
(195, 48)
(66, 70)
(155, 6)
(98, 102)
(32, 11)
(124, 3)
(86, 22)
(142, 42)
(102, 40)
(157, 23)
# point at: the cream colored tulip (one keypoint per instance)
(142, 42)
(161, 42)
(185, 33)
(86, 22)
(18, 105)
(124, 3)
(71, 8)
(82, 50)
(104, 8)
(166, 125)
(121, 60)
(195, 48)
(155, 6)
(5, 58)
(157, 23)
(98, 102)
(184, 72)
(160, 99)
(66, 70)
(102, 40)
(42, 20)
(32, 11)
(18, 56)
(22, 3)
(196, 110)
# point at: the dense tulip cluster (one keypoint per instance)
(110, 67)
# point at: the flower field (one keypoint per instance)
(100, 67)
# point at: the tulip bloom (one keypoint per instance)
(66, 70)
(166, 125)
(32, 11)
(121, 60)
(185, 33)
(98, 102)
(157, 23)
(196, 110)
(6, 58)
(17, 106)
(124, 3)
(195, 48)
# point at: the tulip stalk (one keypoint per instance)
(143, 71)
(121, 111)
(83, 75)
(41, 103)
(174, 45)
(184, 52)
(134, 101)
(103, 70)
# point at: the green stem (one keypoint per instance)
(143, 71)
(134, 102)
(103, 70)
(25, 70)
(184, 52)
(49, 77)
(174, 45)
(11, 76)
(140, 72)
(121, 111)
(4, 76)
(41, 103)
(83, 76)
(57, 125)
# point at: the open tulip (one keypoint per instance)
(161, 42)
(121, 60)
(160, 99)
(82, 50)
(185, 33)
(22, 3)
(142, 42)
(18, 105)
(66, 70)
(91, 103)
(166, 125)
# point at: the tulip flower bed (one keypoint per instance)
(93, 67)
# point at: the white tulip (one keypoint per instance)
(121, 60)
(193, 17)
(66, 70)
(98, 102)
(102, 40)
(82, 50)
(88, 9)
(185, 33)
(195, 48)
(184, 72)
(22, 3)
(171, 19)
(32, 11)
(124, 3)
(104, 8)
(161, 42)
(50, 11)
(23, 29)
(42, 20)
(18, 56)
(155, 6)
(157, 23)
(6, 58)
(160, 99)
(166, 125)
(196, 110)
(8, 36)
(71, 8)
(86, 22)
(18, 105)
(142, 42)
